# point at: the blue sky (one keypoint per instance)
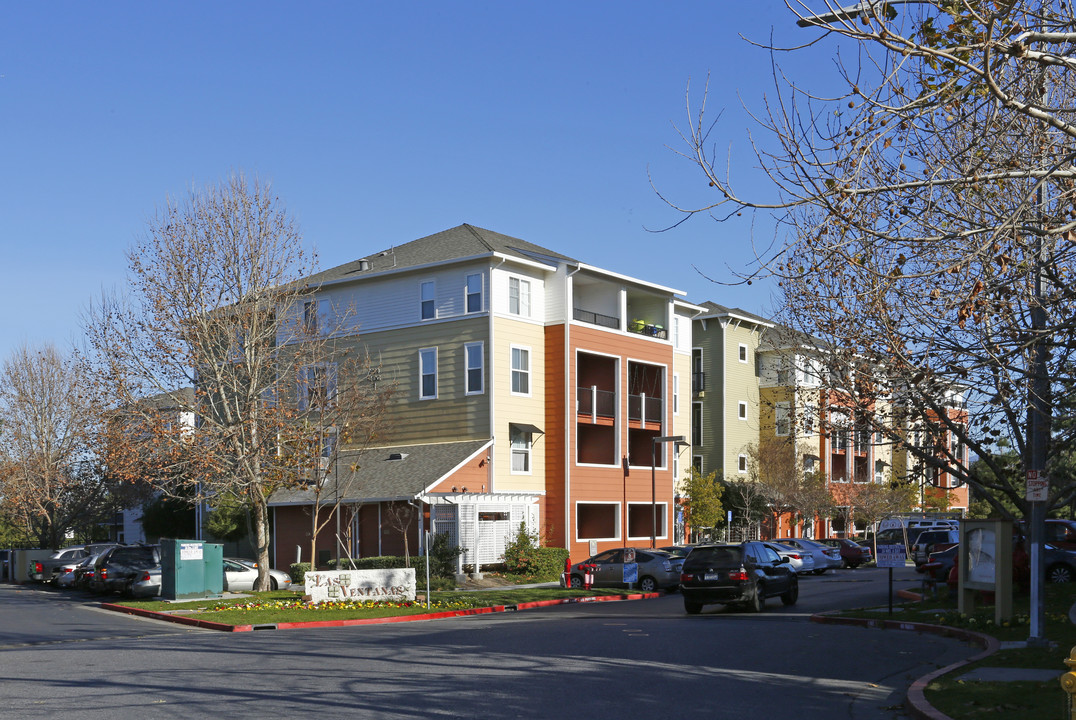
(377, 123)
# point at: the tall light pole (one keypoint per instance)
(679, 440)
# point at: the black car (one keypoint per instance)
(744, 574)
(117, 569)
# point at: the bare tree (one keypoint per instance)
(931, 219)
(50, 481)
(219, 305)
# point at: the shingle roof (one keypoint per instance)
(458, 242)
(377, 476)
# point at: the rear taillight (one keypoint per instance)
(145, 577)
(738, 576)
(686, 577)
(103, 574)
(794, 557)
(38, 567)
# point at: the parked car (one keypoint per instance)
(940, 563)
(933, 541)
(115, 570)
(1060, 563)
(240, 576)
(5, 564)
(657, 569)
(824, 557)
(84, 572)
(801, 561)
(680, 551)
(745, 574)
(48, 569)
(896, 536)
(852, 553)
(146, 583)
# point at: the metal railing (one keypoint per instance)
(647, 409)
(596, 403)
(595, 318)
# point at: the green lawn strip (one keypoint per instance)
(964, 700)
(283, 606)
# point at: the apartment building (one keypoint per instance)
(529, 387)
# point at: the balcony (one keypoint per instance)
(698, 382)
(642, 327)
(595, 405)
(645, 409)
(596, 318)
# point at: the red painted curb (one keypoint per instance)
(393, 619)
(589, 598)
(916, 700)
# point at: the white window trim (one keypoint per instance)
(676, 393)
(744, 353)
(422, 284)
(663, 509)
(741, 410)
(467, 293)
(777, 409)
(330, 384)
(513, 371)
(421, 374)
(619, 530)
(481, 368)
(741, 463)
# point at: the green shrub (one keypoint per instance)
(298, 572)
(443, 556)
(524, 556)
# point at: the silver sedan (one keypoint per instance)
(240, 576)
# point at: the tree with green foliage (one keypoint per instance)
(703, 508)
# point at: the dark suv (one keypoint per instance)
(743, 574)
(932, 541)
(118, 568)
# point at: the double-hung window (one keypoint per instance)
(474, 293)
(474, 358)
(521, 371)
(427, 298)
(317, 386)
(519, 297)
(427, 361)
(521, 449)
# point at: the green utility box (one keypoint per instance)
(191, 569)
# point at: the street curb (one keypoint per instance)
(207, 625)
(916, 700)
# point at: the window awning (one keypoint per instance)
(527, 428)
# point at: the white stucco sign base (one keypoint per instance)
(335, 585)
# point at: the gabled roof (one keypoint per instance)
(462, 241)
(387, 473)
(714, 310)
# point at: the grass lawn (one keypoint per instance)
(961, 699)
(285, 606)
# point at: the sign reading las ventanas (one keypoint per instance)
(333, 585)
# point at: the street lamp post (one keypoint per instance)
(679, 440)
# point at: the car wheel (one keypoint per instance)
(648, 584)
(790, 596)
(577, 582)
(1059, 574)
(758, 600)
(273, 585)
(692, 608)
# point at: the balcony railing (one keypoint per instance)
(596, 318)
(646, 409)
(596, 403)
(640, 327)
(698, 382)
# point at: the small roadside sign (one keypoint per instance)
(629, 555)
(631, 572)
(1038, 487)
(891, 556)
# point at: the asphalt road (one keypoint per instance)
(60, 657)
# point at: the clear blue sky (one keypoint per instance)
(377, 123)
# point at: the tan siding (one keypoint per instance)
(517, 408)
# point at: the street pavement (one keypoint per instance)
(63, 658)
